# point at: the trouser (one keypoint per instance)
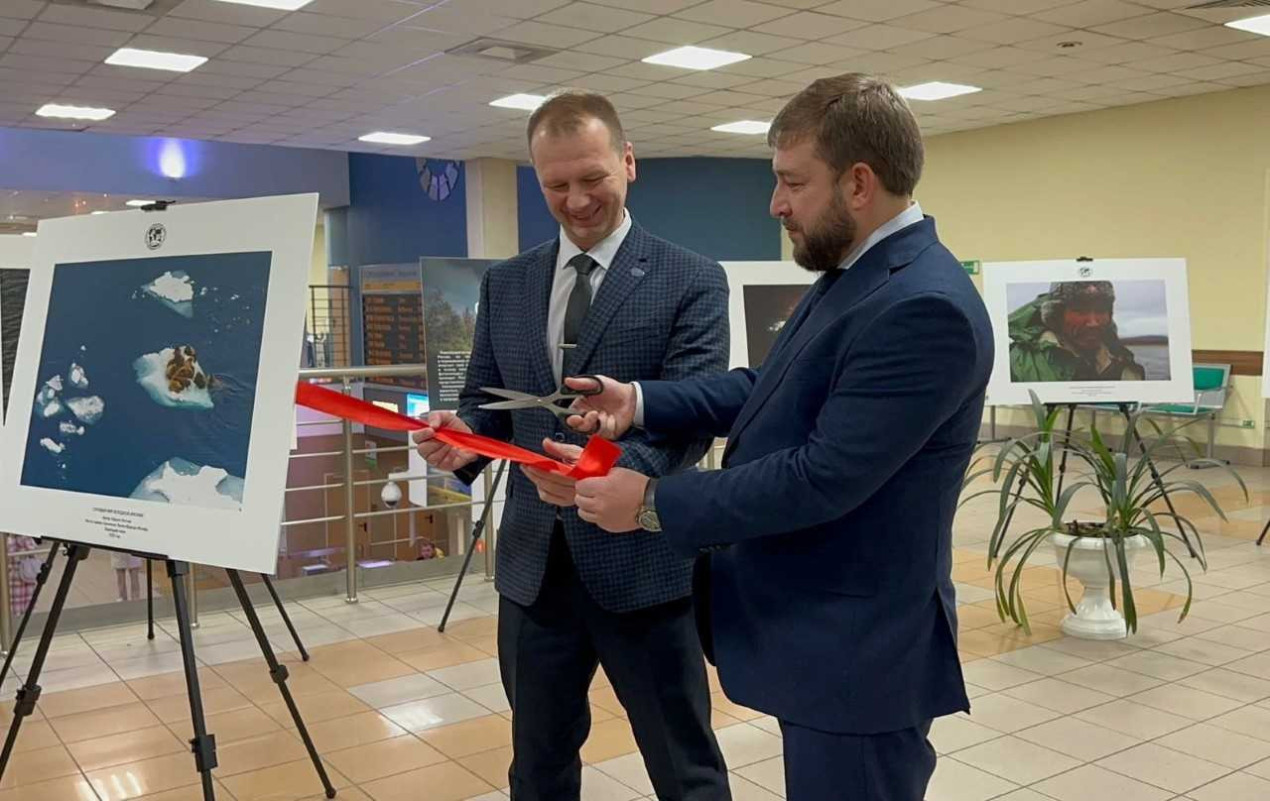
(819, 766)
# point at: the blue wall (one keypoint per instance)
(717, 207)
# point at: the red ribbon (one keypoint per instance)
(597, 458)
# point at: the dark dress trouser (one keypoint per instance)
(548, 653)
(895, 766)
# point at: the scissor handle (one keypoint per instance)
(569, 392)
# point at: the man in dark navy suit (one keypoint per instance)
(826, 591)
(606, 296)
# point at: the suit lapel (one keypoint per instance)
(538, 278)
(849, 288)
(628, 268)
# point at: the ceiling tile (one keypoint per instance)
(95, 18)
(1151, 82)
(711, 79)
(942, 47)
(647, 72)
(1021, 7)
(220, 66)
(1152, 25)
(1221, 70)
(774, 88)
(1255, 79)
(1258, 48)
(1212, 36)
(650, 6)
(592, 17)
(1131, 51)
(297, 42)
(879, 37)
(76, 34)
(997, 57)
(171, 44)
(1054, 66)
(607, 83)
(948, 19)
(622, 47)
(326, 25)
(762, 68)
(45, 64)
(1089, 13)
(197, 29)
(79, 52)
(453, 20)
(1176, 63)
(674, 31)
(818, 53)
(580, 62)
(262, 55)
(520, 8)
(809, 25)
(669, 91)
(736, 13)
(755, 44)
(881, 63)
(536, 72)
(20, 9)
(876, 10)
(546, 35)
(1014, 30)
(1088, 41)
(228, 13)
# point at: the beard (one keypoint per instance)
(831, 238)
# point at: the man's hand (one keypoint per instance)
(609, 414)
(438, 454)
(613, 501)
(554, 488)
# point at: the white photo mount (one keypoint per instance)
(742, 274)
(15, 254)
(1166, 318)
(277, 231)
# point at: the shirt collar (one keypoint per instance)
(909, 216)
(604, 251)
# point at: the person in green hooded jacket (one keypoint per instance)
(1069, 334)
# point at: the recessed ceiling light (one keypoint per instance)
(696, 58)
(136, 204)
(154, 60)
(937, 90)
(520, 101)
(386, 138)
(74, 112)
(1259, 24)
(743, 127)
(29, 233)
(284, 5)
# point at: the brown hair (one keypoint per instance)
(856, 118)
(567, 111)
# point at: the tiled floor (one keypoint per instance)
(398, 711)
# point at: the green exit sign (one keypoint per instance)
(971, 267)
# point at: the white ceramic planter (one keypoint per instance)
(1095, 618)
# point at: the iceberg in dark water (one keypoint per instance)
(182, 483)
(51, 446)
(77, 377)
(175, 290)
(89, 410)
(46, 402)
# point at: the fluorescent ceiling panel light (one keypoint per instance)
(386, 138)
(520, 101)
(937, 90)
(29, 233)
(743, 127)
(283, 5)
(136, 204)
(696, 58)
(1259, 24)
(101, 212)
(74, 112)
(155, 60)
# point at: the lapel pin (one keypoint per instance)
(637, 272)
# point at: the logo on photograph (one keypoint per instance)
(155, 236)
(1085, 272)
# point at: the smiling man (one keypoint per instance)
(827, 536)
(605, 296)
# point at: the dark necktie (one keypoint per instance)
(579, 302)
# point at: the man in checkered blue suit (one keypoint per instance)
(605, 297)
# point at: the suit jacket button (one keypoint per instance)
(559, 436)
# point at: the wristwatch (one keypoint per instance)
(646, 515)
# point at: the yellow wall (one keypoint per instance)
(1183, 177)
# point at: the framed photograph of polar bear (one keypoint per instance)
(151, 406)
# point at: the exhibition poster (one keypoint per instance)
(761, 297)
(151, 404)
(451, 295)
(1107, 331)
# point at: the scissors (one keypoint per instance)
(523, 400)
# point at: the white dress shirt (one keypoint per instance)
(564, 278)
(910, 216)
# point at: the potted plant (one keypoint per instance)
(1100, 552)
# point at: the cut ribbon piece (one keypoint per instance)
(597, 459)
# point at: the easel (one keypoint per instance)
(46, 570)
(203, 745)
(477, 530)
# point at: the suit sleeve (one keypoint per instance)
(482, 371)
(905, 375)
(698, 346)
(708, 405)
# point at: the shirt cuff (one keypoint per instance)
(639, 406)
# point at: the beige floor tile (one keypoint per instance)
(974, 617)
(166, 684)
(470, 737)
(608, 740)
(193, 792)
(149, 776)
(35, 734)
(1235, 787)
(1134, 720)
(1016, 760)
(285, 782)
(473, 628)
(352, 731)
(959, 782)
(433, 713)
(34, 767)
(1008, 715)
(1162, 767)
(448, 781)
(67, 788)
(104, 722)
(1230, 684)
(177, 707)
(1092, 782)
(491, 766)
(89, 699)
(230, 726)
(1251, 720)
(379, 668)
(301, 685)
(481, 673)
(406, 641)
(255, 753)
(955, 732)
(316, 708)
(1046, 661)
(442, 656)
(721, 703)
(606, 699)
(720, 720)
(403, 689)
(125, 747)
(997, 676)
(1218, 745)
(1186, 701)
(1058, 695)
(487, 644)
(1159, 665)
(1111, 680)
(366, 763)
(630, 771)
(745, 745)
(1078, 739)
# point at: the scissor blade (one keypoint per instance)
(510, 394)
(511, 404)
